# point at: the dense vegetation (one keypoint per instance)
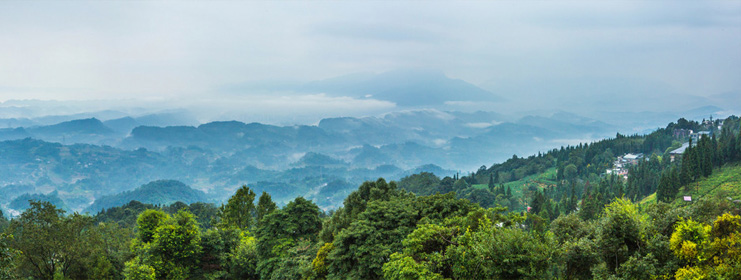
(421, 228)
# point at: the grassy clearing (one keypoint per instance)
(540, 180)
(725, 182)
(649, 199)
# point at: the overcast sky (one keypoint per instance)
(159, 50)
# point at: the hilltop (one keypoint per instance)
(162, 192)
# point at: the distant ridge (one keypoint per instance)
(82, 126)
(156, 192)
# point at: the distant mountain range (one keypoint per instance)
(93, 160)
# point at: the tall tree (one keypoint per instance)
(265, 205)
(282, 229)
(176, 246)
(238, 211)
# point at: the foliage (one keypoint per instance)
(50, 244)
(265, 205)
(7, 267)
(621, 233)
(135, 270)
(402, 267)
(495, 253)
(238, 211)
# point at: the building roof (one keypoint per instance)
(680, 150)
(632, 156)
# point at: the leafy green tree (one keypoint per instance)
(281, 230)
(578, 256)
(424, 183)
(355, 204)
(51, 244)
(402, 267)
(242, 261)
(176, 246)
(620, 233)
(238, 211)
(3, 221)
(361, 250)
(265, 205)
(710, 252)
(136, 270)
(319, 264)
(460, 185)
(570, 172)
(297, 262)
(500, 253)
(148, 222)
(7, 254)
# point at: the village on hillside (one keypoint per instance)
(687, 136)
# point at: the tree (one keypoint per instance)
(242, 261)
(570, 172)
(402, 267)
(709, 252)
(500, 253)
(50, 243)
(265, 205)
(175, 247)
(361, 249)
(491, 183)
(282, 229)
(238, 211)
(7, 267)
(3, 221)
(148, 222)
(619, 233)
(136, 270)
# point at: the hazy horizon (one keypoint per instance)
(193, 54)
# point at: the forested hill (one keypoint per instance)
(156, 192)
(561, 177)
(583, 225)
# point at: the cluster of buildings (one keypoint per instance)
(620, 166)
(695, 136)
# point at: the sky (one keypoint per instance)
(189, 50)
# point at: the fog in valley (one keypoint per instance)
(297, 95)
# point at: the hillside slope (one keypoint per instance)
(156, 192)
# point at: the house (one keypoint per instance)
(698, 135)
(633, 158)
(680, 133)
(620, 166)
(679, 151)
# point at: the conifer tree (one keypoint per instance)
(491, 183)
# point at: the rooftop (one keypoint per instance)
(632, 156)
(680, 150)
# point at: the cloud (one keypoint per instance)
(380, 32)
(283, 109)
(98, 50)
